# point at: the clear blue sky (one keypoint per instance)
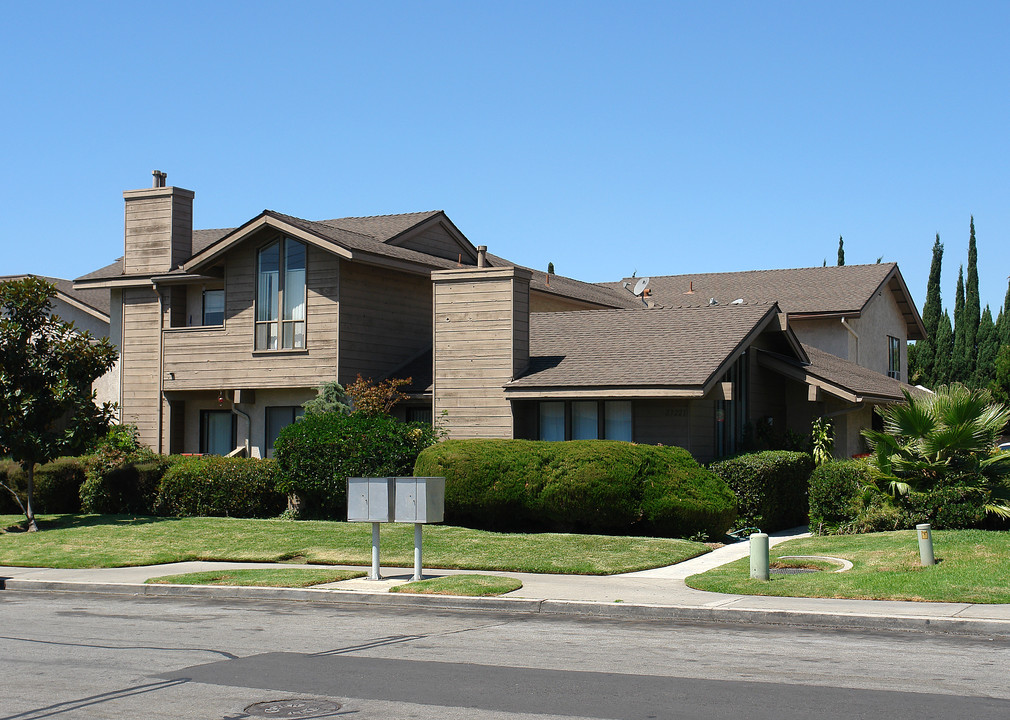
(605, 137)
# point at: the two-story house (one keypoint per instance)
(225, 333)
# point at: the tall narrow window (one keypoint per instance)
(213, 307)
(217, 432)
(585, 425)
(552, 421)
(618, 420)
(278, 418)
(893, 357)
(280, 296)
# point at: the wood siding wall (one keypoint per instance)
(481, 342)
(139, 363)
(159, 229)
(385, 320)
(436, 240)
(224, 358)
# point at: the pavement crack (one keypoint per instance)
(228, 655)
(72, 705)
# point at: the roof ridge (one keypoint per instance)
(766, 270)
(374, 217)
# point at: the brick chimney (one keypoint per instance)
(159, 227)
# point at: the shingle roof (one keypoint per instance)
(844, 289)
(659, 347)
(571, 288)
(96, 299)
(854, 378)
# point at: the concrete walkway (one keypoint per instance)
(659, 593)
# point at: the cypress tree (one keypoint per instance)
(972, 316)
(926, 349)
(959, 369)
(988, 348)
(841, 251)
(1003, 326)
(944, 351)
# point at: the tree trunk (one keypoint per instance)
(29, 469)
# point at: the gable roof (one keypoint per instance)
(566, 287)
(95, 302)
(833, 291)
(839, 377)
(659, 352)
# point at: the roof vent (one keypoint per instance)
(738, 301)
(712, 301)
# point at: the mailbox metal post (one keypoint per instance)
(417, 552)
(374, 574)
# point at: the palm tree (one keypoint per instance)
(945, 439)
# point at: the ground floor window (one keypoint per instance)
(278, 418)
(419, 414)
(585, 420)
(217, 432)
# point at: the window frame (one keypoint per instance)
(893, 357)
(268, 447)
(567, 415)
(204, 428)
(203, 307)
(281, 242)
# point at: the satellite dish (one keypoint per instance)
(640, 286)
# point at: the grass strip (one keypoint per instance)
(87, 541)
(259, 577)
(470, 585)
(973, 567)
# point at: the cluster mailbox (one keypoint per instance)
(416, 500)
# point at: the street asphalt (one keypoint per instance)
(660, 593)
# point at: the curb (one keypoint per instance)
(570, 608)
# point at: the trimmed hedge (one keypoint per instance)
(123, 485)
(583, 485)
(220, 487)
(57, 486)
(834, 494)
(317, 454)
(771, 487)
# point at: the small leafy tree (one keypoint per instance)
(941, 440)
(822, 441)
(47, 367)
(371, 398)
(331, 398)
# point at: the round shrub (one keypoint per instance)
(220, 487)
(583, 485)
(58, 485)
(13, 479)
(118, 482)
(770, 486)
(317, 454)
(834, 494)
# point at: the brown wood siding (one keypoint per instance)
(479, 339)
(385, 320)
(224, 358)
(139, 363)
(159, 229)
(437, 241)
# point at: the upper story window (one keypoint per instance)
(893, 357)
(213, 307)
(280, 295)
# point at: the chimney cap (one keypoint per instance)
(159, 178)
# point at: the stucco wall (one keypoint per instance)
(881, 318)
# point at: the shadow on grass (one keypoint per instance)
(69, 522)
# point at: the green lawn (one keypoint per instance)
(260, 577)
(974, 566)
(470, 585)
(82, 541)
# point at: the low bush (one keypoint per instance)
(770, 487)
(584, 486)
(58, 485)
(220, 487)
(834, 494)
(317, 454)
(12, 480)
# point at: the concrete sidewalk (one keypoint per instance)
(650, 594)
